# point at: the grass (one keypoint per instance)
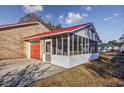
(102, 72)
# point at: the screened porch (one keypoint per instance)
(70, 44)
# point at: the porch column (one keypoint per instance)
(68, 44)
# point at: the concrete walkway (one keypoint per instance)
(21, 72)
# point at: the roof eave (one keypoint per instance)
(46, 35)
(16, 24)
(69, 31)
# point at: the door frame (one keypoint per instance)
(49, 40)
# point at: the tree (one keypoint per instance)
(31, 17)
(112, 43)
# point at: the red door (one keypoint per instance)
(35, 51)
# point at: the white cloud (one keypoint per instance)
(60, 18)
(73, 18)
(111, 17)
(32, 8)
(107, 18)
(49, 16)
(84, 15)
(116, 14)
(88, 8)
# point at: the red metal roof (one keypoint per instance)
(68, 29)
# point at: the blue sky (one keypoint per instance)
(108, 20)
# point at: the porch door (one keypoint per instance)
(48, 51)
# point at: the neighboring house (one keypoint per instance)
(122, 48)
(66, 47)
(11, 42)
(110, 49)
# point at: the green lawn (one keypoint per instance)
(100, 72)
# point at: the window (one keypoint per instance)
(59, 50)
(87, 46)
(75, 45)
(65, 45)
(84, 45)
(90, 45)
(96, 47)
(48, 44)
(93, 47)
(71, 44)
(80, 45)
(54, 46)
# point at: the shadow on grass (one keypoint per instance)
(105, 68)
(118, 58)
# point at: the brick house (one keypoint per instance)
(11, 42)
